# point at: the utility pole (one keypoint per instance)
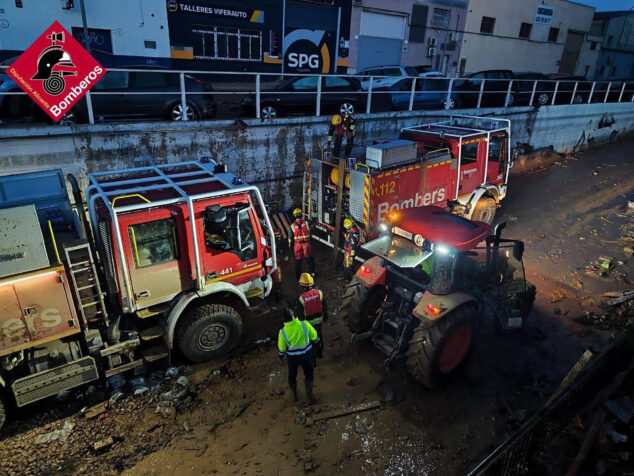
(83, 20)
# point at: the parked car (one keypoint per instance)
(385, 76)
(567, 93)
(121, 102)
(544, 88)
(427, 71)
(299, 94)
(428, 93)
(494, 92)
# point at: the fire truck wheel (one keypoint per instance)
(484, 210)
(361, 304)
(208, 331)
(436, 351)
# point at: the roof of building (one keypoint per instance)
(612, 14)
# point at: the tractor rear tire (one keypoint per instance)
(484, 210)
(208, 331)
(360, 304)
(436, 351)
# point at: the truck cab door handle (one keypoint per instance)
(142, 294)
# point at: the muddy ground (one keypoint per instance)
(236, 416)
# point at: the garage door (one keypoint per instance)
(380, 39)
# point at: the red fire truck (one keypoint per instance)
(170, 256)
(461, 163)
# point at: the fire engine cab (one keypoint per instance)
(461, 163)
(169, 256)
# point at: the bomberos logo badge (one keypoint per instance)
(56, 71)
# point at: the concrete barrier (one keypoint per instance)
(271, 153)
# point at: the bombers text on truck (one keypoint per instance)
(422, 296)
(170, 256)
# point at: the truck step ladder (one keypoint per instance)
(86, 287)
(306, 196)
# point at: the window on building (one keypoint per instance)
(228, 44)
(525, 30)
(150, 45)
(469, 154)
(593, 45)
(487, 25)
(553, 33)
(440, 18)
(153, 242)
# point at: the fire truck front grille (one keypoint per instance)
(50, 382)
(357, 185)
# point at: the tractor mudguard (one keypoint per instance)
(372, 273)
(432, 307)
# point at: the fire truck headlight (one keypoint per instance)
(442, 250)
(383, 228)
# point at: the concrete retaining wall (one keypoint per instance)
(271, 153)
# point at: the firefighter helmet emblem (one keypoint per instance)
(51, 65)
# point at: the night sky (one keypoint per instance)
(608, 5)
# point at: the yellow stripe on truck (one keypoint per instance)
(231, 275)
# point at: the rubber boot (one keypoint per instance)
(309, 393)
(294, 391)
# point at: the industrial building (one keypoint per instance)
(616, 55)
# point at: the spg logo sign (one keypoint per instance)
(56, 71)
(307, 52)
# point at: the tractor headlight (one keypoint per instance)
(443, 250)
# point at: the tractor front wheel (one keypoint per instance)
(361, 305)
(484, 210)
(208, 331)
(436, 351)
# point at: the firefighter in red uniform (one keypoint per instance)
(277, 275)
(350, 244)
(339, 126)
(311, 306)
(299, 241)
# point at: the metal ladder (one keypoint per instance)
(85, 281)
(306, 199)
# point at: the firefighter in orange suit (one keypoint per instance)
(350, 244)
(299, 241)
(340, 126)
(311, 306)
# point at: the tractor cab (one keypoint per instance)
(431, 279)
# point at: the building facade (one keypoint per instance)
(406, 32)
(616, 57)
(549, 36)
(302, 36)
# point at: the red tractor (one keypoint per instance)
(171, 256)
(432, 279)
(461, 164)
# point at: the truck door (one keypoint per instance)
(229, 250)
(497, 159)
(12, 325)
(156, 255)
(472, 160)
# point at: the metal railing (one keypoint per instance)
(187, 95)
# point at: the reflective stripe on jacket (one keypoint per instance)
(312, 302)
(296, 338)
(301, 233)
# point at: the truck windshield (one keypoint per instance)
(398, 250)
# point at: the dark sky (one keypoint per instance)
(608, 5)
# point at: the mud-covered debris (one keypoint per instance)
(360, 426)
(138, 385)
(175, 372)
(103, 444)
(617, 437)
(56, 435)
(301, 418)
(351, 381)
(622, 408)
(309, 465)
(183, 381)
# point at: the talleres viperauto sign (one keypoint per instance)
(56, 71)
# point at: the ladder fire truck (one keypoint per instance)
(461, 163)
(168, 256)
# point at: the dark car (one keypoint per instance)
(113, 97)
(494, 92)
(429, 93)
(571, 89)
(542, 85)
(299, 95)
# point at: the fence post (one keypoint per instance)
(449, 94)
(607, 92)
(530, 103)
(622, 90)
(91, 114)
(257, 96)
(183, 97)
(367, 106)
(508, 94)
(318, 109)
(591, 92)
(411, 94)
(552, 103)
(574, 93)
(480, 94)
